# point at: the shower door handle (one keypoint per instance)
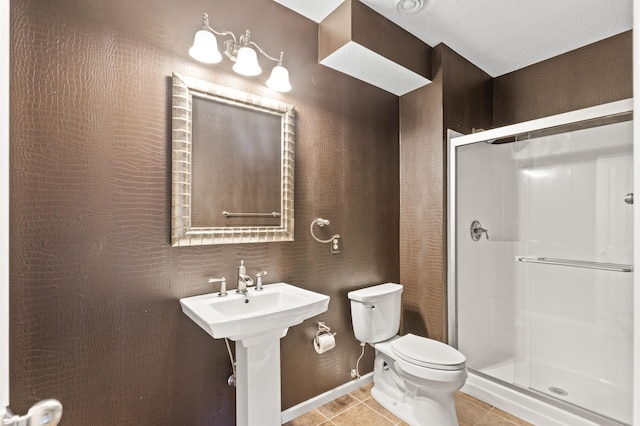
(615, 267)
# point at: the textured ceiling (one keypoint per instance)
(500, 36)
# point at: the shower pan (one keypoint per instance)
(543, 309)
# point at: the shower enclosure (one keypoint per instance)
(541, 265)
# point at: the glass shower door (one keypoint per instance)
(578, 231)
(544, 297)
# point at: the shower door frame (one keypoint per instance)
(635, 54)
(455, 141)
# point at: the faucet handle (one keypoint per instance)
(223, 285)
(259, 276)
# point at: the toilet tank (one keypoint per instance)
(375, 312)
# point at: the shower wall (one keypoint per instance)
(486, 191)
(548, 328)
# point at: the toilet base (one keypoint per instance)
(414, 404)
(417, 413)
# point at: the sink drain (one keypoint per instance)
(558, 391)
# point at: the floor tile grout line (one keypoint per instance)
(494, 414)
(474, 401)
(382, 414)
(325, 417)
(345, 410)
(367, 407)
(478, 421)
(501, 415)
(359, 399)
(375, 411)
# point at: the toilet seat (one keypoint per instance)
(428, 353)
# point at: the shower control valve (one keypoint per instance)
(477, 230)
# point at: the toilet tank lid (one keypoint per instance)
(370, 294)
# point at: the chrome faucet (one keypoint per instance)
(244, 280)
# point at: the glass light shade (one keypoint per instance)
(279, 80)
(205, 48)
(247, 62)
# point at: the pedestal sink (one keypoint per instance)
(257, 326)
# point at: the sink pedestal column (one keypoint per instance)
(258, 380)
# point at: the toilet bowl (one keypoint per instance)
(414, 377)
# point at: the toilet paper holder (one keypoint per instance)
(323, 329)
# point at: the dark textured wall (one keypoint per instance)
(95, 318)
(592, 75)
(421, 257)
(459, 98)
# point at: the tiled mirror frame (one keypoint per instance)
(182, 233)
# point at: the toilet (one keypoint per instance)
(414, 377)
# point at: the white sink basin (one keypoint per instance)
(257, 327)
(277, 307)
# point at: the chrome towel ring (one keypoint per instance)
(322, 223)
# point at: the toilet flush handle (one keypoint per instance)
(369, 306)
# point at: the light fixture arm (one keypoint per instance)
(205, 26)
(279, 61)
(245, 40)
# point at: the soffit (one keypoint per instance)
(498, 36)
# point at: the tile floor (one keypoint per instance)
(359, 408)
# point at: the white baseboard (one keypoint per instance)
(323, 398)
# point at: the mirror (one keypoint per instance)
(232, 165)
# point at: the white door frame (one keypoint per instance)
(4, 206)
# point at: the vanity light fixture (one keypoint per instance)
(240, 50)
